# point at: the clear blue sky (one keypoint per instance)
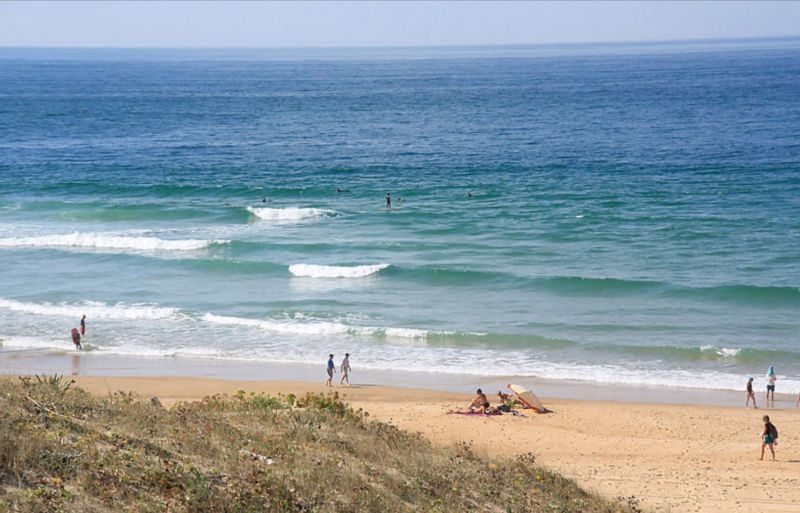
(343, 24)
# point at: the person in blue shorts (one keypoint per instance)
(331, 370)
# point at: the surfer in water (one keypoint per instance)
(339, 189)
(388, 200)
(76, 339)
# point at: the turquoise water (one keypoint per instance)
(633, 214)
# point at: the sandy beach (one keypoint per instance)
(677, 458)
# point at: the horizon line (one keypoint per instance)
(410, 47)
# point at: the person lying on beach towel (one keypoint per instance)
(484, 411)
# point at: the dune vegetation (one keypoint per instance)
(63, 449)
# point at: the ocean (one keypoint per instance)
(616, 214)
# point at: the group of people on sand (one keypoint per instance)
(771, 378)
(480, 405)
(344, 368)
(78, 335)
(769, 433)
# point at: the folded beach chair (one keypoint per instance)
(528, 398)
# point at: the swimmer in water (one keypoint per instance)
(388, 200)
(263, 200)
(469, 194)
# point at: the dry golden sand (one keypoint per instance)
(673, 458)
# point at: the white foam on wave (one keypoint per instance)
(110, 241)
(289, 214)
(22, 342)
(306, 327)
(335, 271)
(725, 352)
(92, 309)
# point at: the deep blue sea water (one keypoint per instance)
(634, 213)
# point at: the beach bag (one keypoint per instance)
(773, 431)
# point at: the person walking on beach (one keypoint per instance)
(83, 325)
(331, 370)
(76, 339)
(388, 200)
(344, 368)
(771, 387)
(769, 437)
(749, 394)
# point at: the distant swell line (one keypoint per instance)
(590, 286)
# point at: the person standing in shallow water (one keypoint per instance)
(388, 200)
(344, 368)
(771, 378)
(83, 325)
(750, 394)
(331, 370)
(76, 339)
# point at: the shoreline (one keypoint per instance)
(73, 363)
(676, 458)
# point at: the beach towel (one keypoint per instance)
(472, 413)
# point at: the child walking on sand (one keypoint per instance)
(769, 437)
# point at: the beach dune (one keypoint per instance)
(673, 458)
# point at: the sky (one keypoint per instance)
(374, 24)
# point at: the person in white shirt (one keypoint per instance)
(344, 368)
(771, 378)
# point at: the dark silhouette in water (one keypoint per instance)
(388, 200)
(76, 338)
(342, 190)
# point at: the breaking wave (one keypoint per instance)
(107, 241)
(335, 271)
(289, 214)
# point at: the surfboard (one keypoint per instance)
(527, 398)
